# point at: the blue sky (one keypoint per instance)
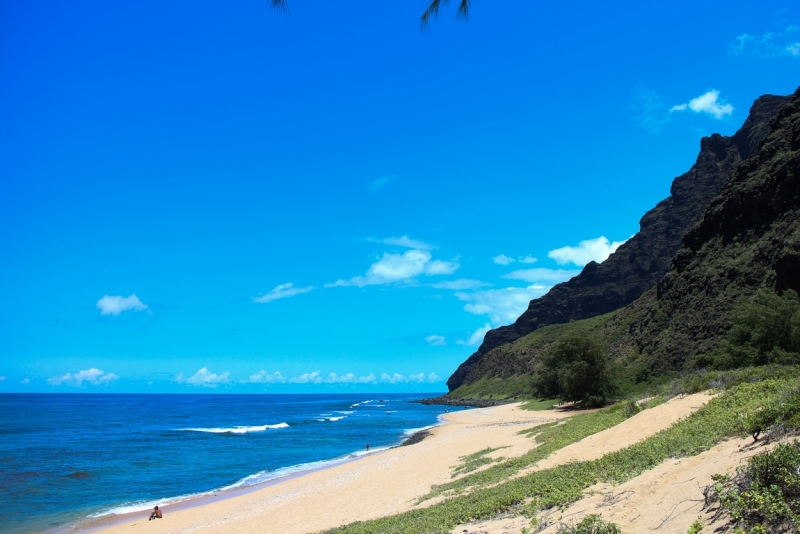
(213, 196)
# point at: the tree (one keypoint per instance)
(431, 11)
(765, 329)
(578, 368)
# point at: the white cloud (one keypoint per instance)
(460, 284)
(114, 305)
(25, 381)
(93, 376)
(316, 377)
(441, 267)
(407, 242)
(350, 378)
(706, 103)
(204, 377)
(477, 336)
(282, 291)
(436, 340)
(398, 378)
(740, 43)
(502, 259)
(541, 275)
(307, 378)
(332, 378)
(391, 268)
(779, 43)
(262, 377)
(378, 183)
(588, 250)
(503, 306)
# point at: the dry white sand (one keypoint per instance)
(389, 482)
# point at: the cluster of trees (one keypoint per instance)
(576, 368)
(765, 329)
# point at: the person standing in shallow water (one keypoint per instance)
(156, 514)
(367, 447)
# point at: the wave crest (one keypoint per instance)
(236, 429)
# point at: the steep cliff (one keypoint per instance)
(645, 259)
(748, 238)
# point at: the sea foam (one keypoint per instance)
(237, 429)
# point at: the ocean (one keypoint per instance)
(68, 458)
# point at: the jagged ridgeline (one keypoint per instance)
(730, 226)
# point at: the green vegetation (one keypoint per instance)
(537, 405)
(549, 436)
(784, 412)
(764, 495)
(494, 388)
(506, 370)
(577, 368)
(492, 493)
(591, 524)
(765, 329)
(474, 461)
(695, 527)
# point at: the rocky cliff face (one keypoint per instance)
(749, 237)
(645, 259)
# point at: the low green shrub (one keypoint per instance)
(764, 494)
(472, 462)
(591, 524)
(786, 412)
(695, 527)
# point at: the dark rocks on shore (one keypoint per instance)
(416, 437)
(474, 403)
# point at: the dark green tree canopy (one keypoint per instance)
(765, 329)
(577, 368)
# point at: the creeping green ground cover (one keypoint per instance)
(549, 436)
(722, 417)
(473, 461)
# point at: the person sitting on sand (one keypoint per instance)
(156, 514)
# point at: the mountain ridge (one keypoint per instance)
(644, 260)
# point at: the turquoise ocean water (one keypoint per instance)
(66, 458)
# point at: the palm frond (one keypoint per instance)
(281, 5)
(431, 11)
(463, 10)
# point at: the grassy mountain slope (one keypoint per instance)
(748, 238)
(644, 259)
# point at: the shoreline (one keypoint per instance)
(383, 482)
(92, 524)
(97, 524)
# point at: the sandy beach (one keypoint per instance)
(390, 481)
